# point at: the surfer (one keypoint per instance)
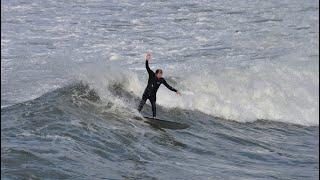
(154, 82)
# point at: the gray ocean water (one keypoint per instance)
(72, 75)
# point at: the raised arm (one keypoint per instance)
(148, 68)
(148, 57)
(168, 86)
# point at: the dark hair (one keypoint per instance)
(159, 71)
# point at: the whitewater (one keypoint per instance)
(73, 72)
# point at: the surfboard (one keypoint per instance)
(159, 123)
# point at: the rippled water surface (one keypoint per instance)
(72, 74)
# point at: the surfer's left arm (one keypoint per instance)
(171, 88)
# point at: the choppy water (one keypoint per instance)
(73, 72)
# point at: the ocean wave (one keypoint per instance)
(273, 91)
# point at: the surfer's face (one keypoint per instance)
(159, 75)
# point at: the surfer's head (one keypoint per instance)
(159, 73)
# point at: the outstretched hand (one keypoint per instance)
(148, 56)
(178, 93)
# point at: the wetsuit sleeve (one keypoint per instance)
(148, 68)
(168, 86)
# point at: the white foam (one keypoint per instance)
(108, 74)
(278, 91)
(114, 57)
(273, 91)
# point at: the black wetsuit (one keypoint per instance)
(151, 90)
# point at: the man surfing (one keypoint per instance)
(154, 82)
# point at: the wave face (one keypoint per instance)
(73, 133)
